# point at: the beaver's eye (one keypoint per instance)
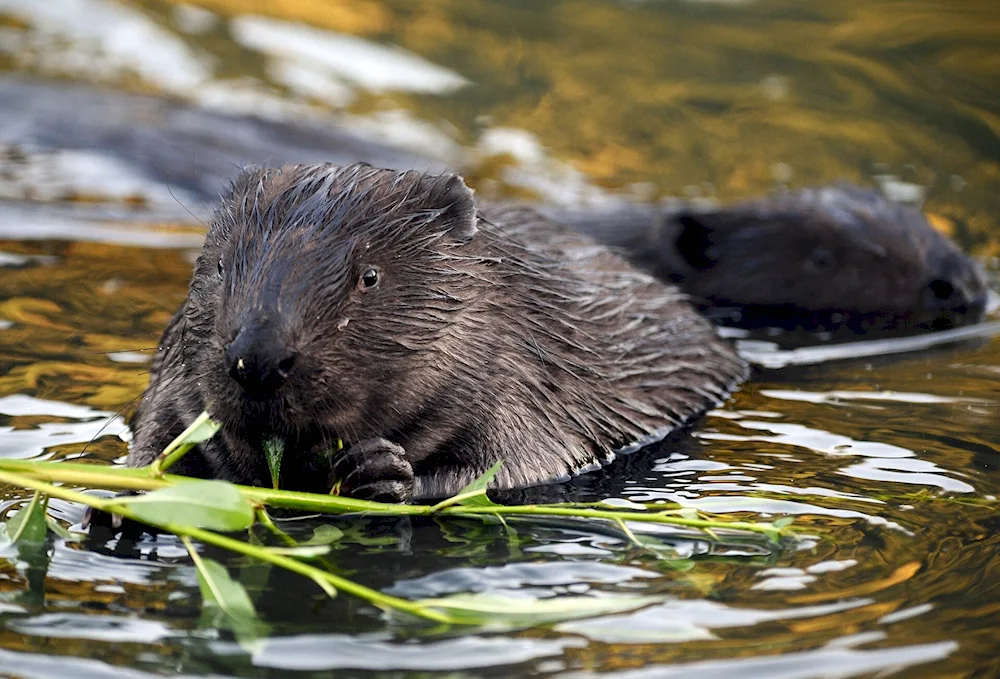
(821, 258)
(369, 279)
(221, 268)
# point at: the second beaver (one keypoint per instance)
(830, 258)
(382, 309)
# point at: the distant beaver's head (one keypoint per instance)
(830, 256)
(316, 291)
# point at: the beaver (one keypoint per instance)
(833, 258)
(382, 309)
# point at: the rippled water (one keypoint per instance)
(889, 460)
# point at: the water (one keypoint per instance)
(888, 459)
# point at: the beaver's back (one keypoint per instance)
(618, 355)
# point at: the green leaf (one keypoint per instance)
(483, 481)
(65, 534)
(509, 612)
(215, 505)
(476, 491)
(218, 589)
(682, 513)
(783, 522)
(324, 535)
(28, 526)
(274, 449)
(227, 604)
(202, 429)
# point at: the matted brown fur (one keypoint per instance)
(487, 337)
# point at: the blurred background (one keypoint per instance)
(120, 122)
(565, 101)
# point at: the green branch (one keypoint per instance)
(202, 510)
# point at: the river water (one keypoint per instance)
(119, 121)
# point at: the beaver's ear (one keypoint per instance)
(695, 241)
(450, 195)
(245, 183)
(239, 197)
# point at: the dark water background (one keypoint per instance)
(891, 461)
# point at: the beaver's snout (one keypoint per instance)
(258, 358)
(957, 294)
(953, 305)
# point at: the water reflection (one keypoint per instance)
(883, 451)
(681, 621)
(338, 651)
(298, 48)
(114, 40)
(27, 434)
(844, 662)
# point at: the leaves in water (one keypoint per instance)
(215, 505)
(274, 449)
(28, 526)
(783, 522)
(64, 533)
(357, 533)
(301, 551)
(514, 612)
(324, 535)
(226, 602)
(220, 590)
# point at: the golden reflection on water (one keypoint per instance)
(652, 98)
(739, 96)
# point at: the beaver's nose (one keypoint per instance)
(949, 295)
(258, 359)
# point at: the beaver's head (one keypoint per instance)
(322, 297)
(834, 255)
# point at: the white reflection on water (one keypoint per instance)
(688, 620)
(340, 651)
(835, 397)
(109, 39)
(117, 629)
(25, 222)
(375, 67)
(22, 443)
(885, 462)
(535, 171)
(731, 504)
(828, 443)
(831, 663)
(54, 175)
(511, 578)
(21, 405)
(310, 80)
(769, 355)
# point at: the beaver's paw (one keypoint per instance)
(375, 469)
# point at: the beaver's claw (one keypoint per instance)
(376, 470)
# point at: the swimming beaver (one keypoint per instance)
(382, 309)
(834, 257)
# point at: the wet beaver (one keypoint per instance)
(381, 308)
(829, 258)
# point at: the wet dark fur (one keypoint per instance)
(496, 336)
(826, 258)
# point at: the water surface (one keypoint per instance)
(115, 135)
